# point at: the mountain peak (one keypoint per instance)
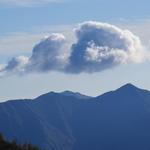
(75, 94)
(128, 87)
(67, 92)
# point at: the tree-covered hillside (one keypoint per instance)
(6, 145)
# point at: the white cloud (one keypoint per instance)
(101, 46)
(138, 27)
(2, 67)
(49, 54)
(98, 46)
(16, 65)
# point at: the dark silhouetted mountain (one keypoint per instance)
(116, 120)
(75, 94)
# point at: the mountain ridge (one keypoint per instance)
(117, 120)
(80, 95)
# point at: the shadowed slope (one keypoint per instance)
(116, 120)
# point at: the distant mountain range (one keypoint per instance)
(117, 120)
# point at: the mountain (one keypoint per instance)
(75, 94)
(116, 120)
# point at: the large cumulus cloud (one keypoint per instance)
(98, 46)
(49, 54)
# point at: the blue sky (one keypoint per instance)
(15, 18)
(23, 25)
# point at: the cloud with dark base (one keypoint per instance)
(101, 46)
(48, 55)
(98, 46)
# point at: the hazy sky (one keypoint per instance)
(24, 23)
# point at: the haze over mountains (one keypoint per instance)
(117, 120)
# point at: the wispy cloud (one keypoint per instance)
(28, 3)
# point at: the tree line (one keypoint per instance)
(7, 145)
